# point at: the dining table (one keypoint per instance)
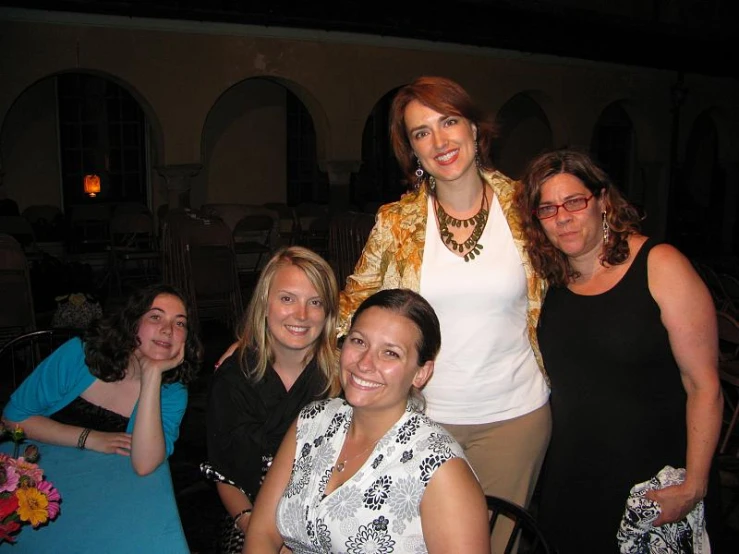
(105, 506)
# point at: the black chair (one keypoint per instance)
(251, 238)
(347, 235)
(20, 356)
(525, 533)
(132, 241)
(17, 314)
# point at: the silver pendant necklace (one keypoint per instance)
(340, 466)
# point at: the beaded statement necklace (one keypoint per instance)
(477, 222)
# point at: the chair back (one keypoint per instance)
(526, 537)
(231, 214)
(131, 227)
(287, 222)
(132, 240)
(16, 300)
(88, 228)
(198, 257)
(130, 208)
(19, 228)
(728, 335)
(20, 356)
(347, 235)
(731, 287)
(47, 222)
(711, 279)
(259, 224)
(39, 212)
(252, 241)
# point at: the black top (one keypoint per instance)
(82, 413)
(246, 422)
(618, 407)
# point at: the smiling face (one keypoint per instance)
(162, 330)
(295, 313)
(576, 234)
(379, 361)
(445, 144)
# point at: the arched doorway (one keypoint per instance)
(72, 124)
(524, 132)
(259, 146)
(613, 145)
(379, 179)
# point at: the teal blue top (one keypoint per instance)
(64, 376)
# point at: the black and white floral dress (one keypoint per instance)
(378, 509)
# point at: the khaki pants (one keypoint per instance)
(507, 457)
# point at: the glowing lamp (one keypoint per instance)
(92, 185)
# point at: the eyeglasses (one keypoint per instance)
(572, 205)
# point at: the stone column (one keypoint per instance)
(177, 178)
(339, 177)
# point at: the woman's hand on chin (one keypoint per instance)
(109, 443)
(149, 366)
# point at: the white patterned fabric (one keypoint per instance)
(378, 509)
(636, 535)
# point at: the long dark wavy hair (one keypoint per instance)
(623, 218)
(446, 97)
(110, 341)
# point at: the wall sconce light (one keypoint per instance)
(92, 185)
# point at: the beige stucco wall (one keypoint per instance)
(193, 82)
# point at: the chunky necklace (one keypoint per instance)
(477, 222)
(340, 466)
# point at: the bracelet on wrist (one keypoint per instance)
(83, 438)
(238, 517)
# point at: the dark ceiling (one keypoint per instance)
(697, 36)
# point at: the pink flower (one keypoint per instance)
(27, 469)
(54, 498)
(9, 479)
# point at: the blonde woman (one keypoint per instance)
(285, 358)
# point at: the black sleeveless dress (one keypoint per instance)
(618, 407)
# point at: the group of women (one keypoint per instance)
(468, 288)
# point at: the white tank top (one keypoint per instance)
(486, 370)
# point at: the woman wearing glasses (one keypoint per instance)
(628, 335)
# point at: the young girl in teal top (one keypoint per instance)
(121, 390)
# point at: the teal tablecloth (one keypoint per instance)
(105, 507)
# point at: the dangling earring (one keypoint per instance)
(478, 163)
(432, 182)
(606, 229)
(419, 174)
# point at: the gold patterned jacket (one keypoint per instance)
(394, 251)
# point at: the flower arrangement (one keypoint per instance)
(25, 496)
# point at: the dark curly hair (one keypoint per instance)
(623, 218)
(110, 341)
(446, 97)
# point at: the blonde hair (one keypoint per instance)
(254, 333)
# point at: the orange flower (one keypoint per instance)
(32, 506)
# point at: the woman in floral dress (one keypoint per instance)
(369, 472)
